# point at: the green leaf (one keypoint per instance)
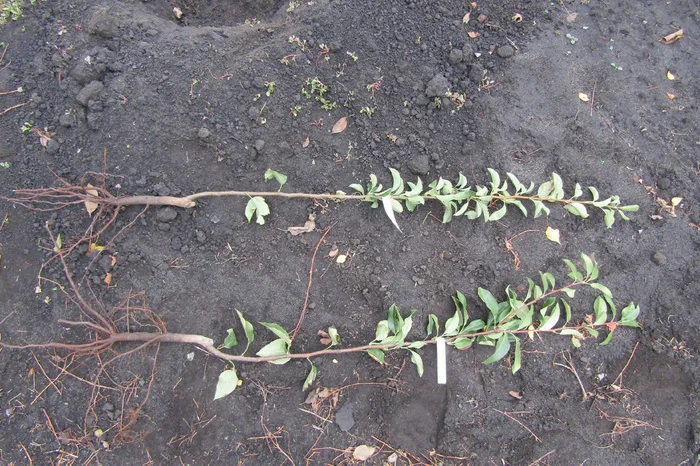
(629, 208)
(607, 339)
(588, 265)
(539, 208)
(515, 182)
(433, 325)
(357, 187)
(495, 179)
(391, 205)
(612, 307)
(570, 292)
(417, 345)
(600, 307)
(334, 336)
(228, 381)
(577, 209)
(491, 303)
(281, 178)
(558, 187)
(474, 326)
(594, 193)
(628, 316)
(462, 343)
(418, 361)
(567, 311)
(257, 205)
(578, 192)
(608, 217)
(394, 318)
(550, 321)
(280, 361)
(230, 341)
(602, 288)
(517, 356)
(248, 329)
(397, 181)
(59, 243)
(576, 342)
(574, 274)
(382, 330)
(502, 348)
(376, 354)
(276, 347)
(311, 377)
(571, 331)
(415, 189)
(277, 330)
(497, 215)
(452, 324)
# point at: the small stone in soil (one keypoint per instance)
(659, 258)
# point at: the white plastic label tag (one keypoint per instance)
(441, 361)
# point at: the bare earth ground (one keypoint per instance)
(172, 103)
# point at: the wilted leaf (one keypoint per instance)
(177, 12)
(228, 381)
(671, 38)
(516, 394)
(311, 377)
(465, 20)
(108, 279)
(676, 200)
(670, 76)
(340, 125)
(571, 17)
(473, 34)
(363, 452)
(552, 235)
(306, 142)
(670, 96)
(583, 97)
(308, 227)
(89, 205)
(341, 259)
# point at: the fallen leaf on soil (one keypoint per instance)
(583, 97)
(552, 235)
(670, 76)
(676, 200)
(481, 18)
(340, 125)
(517, 18)
(465, 20)
(473, 5)
(333, 253)
(308, 227)
(671, 38)
(325, 338)
(571, 17)
(94, 247)
(341, 259)
(89, 205)
(473, 34)
(363, 452)
(516, 394)
(108, 279)
(306, 142)
(177, 12)
(670, 96)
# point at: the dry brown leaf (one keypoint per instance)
(325, 341)
(108, 279)
(306, 143)
(583, 97)
(341, 259)
(333, 253)
(473, 5)
(670, 76)
(671, 38)
(89, 205)
(324, 392)
(363, 452)
(340, 125)
(517, 18)
(465, 20)
(114, 260)
(177, 12)
(571, 17)
(473, 34)
(516, 394)
(308, 227)
(671, 96)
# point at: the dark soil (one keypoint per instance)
(180, 106)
